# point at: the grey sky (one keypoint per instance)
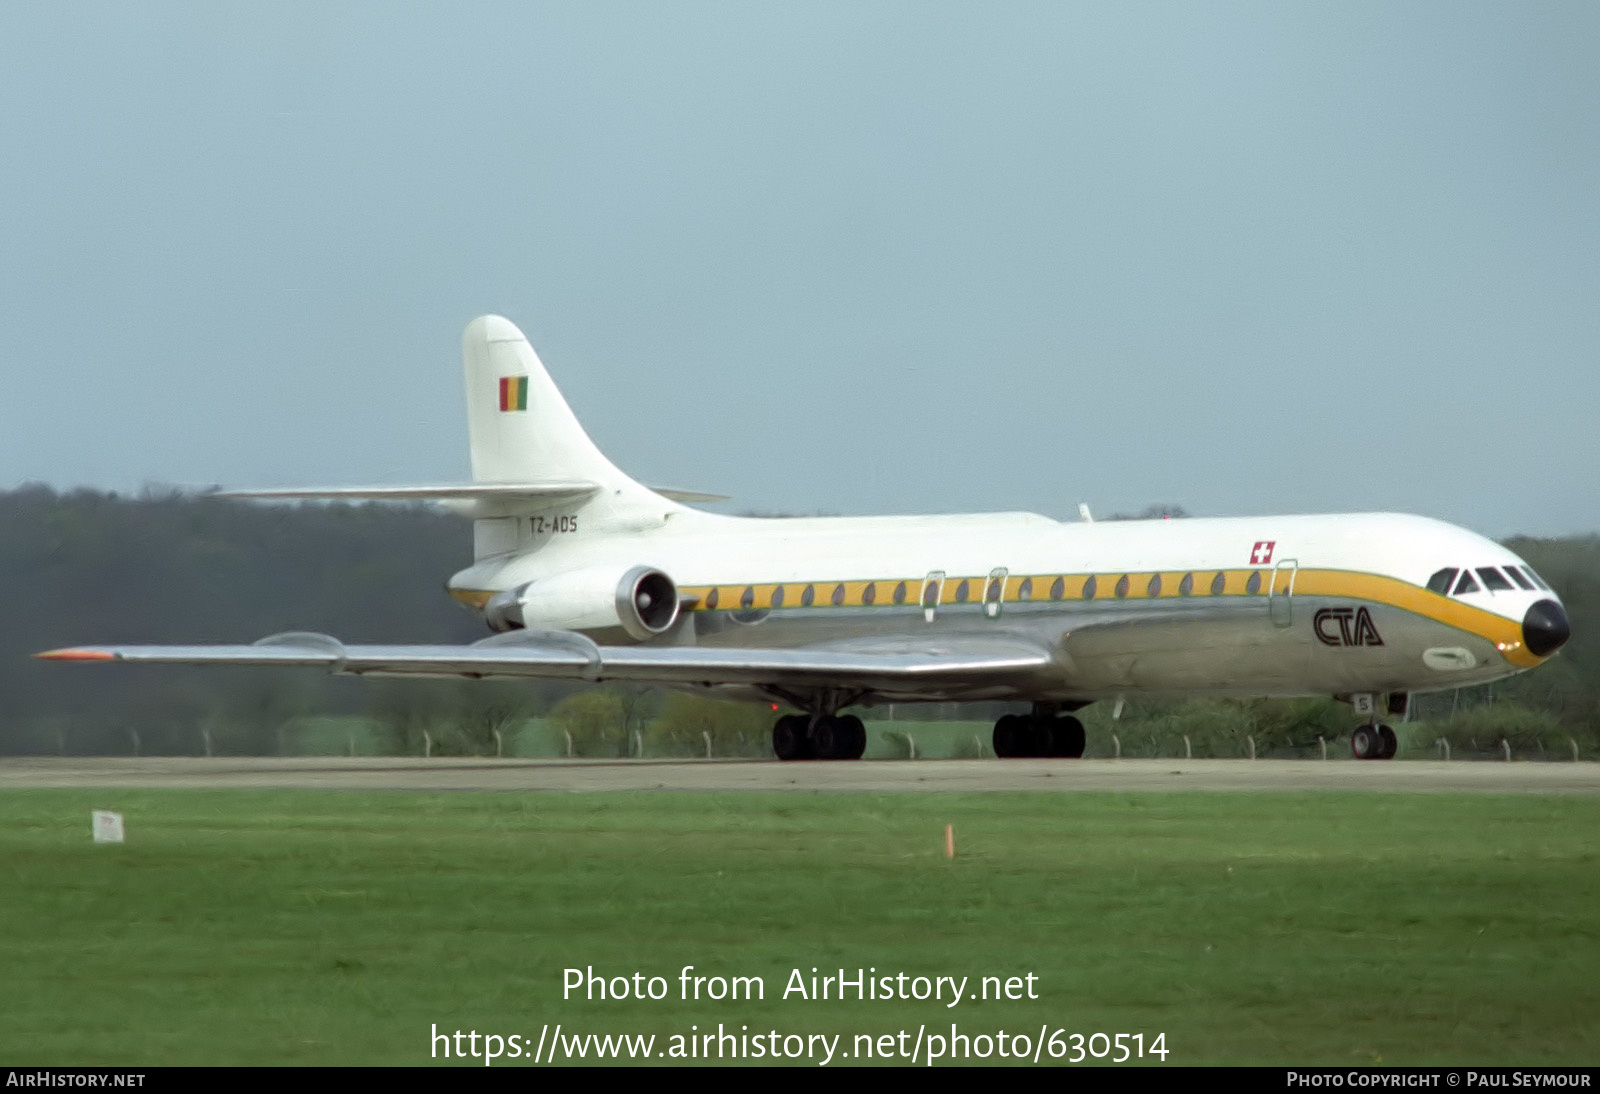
(1250, 258)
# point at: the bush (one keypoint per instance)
(736, 729)
(1479, 730)
(597, 721)
(1223, 727)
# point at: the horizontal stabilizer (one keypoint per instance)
(688, 495)
(476, 499)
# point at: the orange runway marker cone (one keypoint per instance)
(949, 841)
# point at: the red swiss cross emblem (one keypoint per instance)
(1261, 553)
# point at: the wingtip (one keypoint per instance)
(76, 654)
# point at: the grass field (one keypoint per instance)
(336, 928)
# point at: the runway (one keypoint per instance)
(880, 776)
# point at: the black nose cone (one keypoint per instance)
(1545, 628)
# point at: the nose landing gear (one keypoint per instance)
(1375, 741)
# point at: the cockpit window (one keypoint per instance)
(1537, 580)
(1494, 580)
(1440, 582)
(1466, 584)
(1516, 575)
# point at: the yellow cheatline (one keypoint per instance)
(1505, 634)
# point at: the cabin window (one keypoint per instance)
(1253, 586)
(1122, 586)
(1090, 587)
(869, 595)
(777, 597)
(838, 595)
(1494, 580)
(993, 591)
(1058, 587)
(962, 591)
(1440, 582)
(1154, 588)
(1516, 575)
(900, 593)
(1219, 583)
(711, 599)
(1025, 590)
(748, 600)
(1186, 586)
(930, 594)
(1466, 584)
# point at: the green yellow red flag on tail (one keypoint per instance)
(513, 393)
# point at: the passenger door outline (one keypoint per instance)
(994, 592)
(932, 593)
(1280, 592)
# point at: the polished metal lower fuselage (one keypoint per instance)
(1245, 646)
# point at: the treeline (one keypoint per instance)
(86, 566)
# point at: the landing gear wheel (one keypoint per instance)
(1365, 742)
(831, 738)
(790, 739)
(1039, 736)
(1388, 744)
(1067, 737)
(1010, 736)
(854, 735)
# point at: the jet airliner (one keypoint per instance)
(582, 573)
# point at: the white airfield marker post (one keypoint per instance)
(107, 826)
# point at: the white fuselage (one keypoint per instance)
(1262, 605)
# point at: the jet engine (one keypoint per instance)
(642, 602)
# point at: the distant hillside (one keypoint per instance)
(86, 566)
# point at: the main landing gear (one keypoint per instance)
(819, 737)
(1044, 732)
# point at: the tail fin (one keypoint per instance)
(521, 428)
(522, 431)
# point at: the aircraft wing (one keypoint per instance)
(894, 665)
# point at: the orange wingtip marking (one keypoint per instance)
(76, 655)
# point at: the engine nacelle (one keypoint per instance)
(642, 602)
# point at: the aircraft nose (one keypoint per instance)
(1545, 628)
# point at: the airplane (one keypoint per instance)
(582, 573)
